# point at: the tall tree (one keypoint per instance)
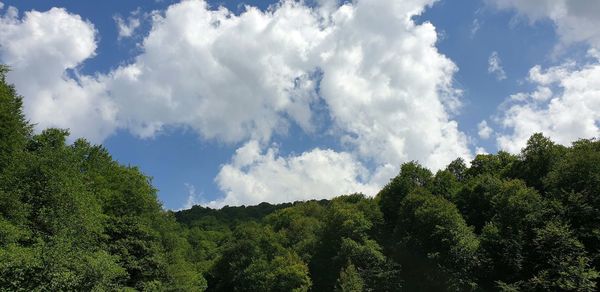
(412, 176)
(437, 249)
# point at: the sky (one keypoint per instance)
(237, 103)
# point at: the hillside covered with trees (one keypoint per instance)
(73, 219)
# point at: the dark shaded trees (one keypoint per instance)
(437, 249)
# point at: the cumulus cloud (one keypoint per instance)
(495, 66)
(388, 89)
(576, 21)
(484, 130)
(44, 51)
(127, 27)
(228, 77)
(565, 106)
(254, 176)
(385, 88)
(566, 102)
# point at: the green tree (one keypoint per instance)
(506, 239)
(458, 168)
(437, 249)
(412, 176)
(560, 261)
(575, 181)
(349, 280)
(445, 184)
(475, 199)
(500, 165)
(537, 159)
(257, 261)
(14, 129)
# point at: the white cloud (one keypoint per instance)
(228, 77)
(385, 84)
(565, 106)
(193, 198)
(480, 150)
(594, 53)
(475, 27)
(43, 51)
(233, 78)
(566, 102)
(1, 5)
(495, 66)
(388, 88)
(127, 27)
(576, 20)
(254, 176)
(484, 130)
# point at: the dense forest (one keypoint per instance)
(73, 219)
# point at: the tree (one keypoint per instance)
(349, 280)
(412, 176)
(437, 249)
(256, 261)
(560, 261)
(537, 159)
(458, 168)
(475, 199)
(506, 239)
(14, 129)
(575, 181)
(14, 132)
(500, 165)
(445, 184)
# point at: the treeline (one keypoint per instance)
(73, 219)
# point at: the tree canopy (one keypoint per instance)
(73, 219)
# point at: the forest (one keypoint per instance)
(74, 219)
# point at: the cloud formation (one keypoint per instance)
(495, 66)
(44, 50)
(127, 27)
(256, 176)
(193, 198)
(566, 102)
(576, 20)
(386, 91)
(484, 130)
(565, 106)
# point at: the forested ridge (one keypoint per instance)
(73, 219)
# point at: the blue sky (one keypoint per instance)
(305, 100)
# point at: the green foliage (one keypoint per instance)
(561, 261)
(506, 239)
(445, 184)
(255, 260)
(575, 181)
(14, 129)
(412, 176)
(349, 280)
(537, 160)
(73, 219)
(500, 165)
(437, 248)
(458, 169)
(475, 199)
